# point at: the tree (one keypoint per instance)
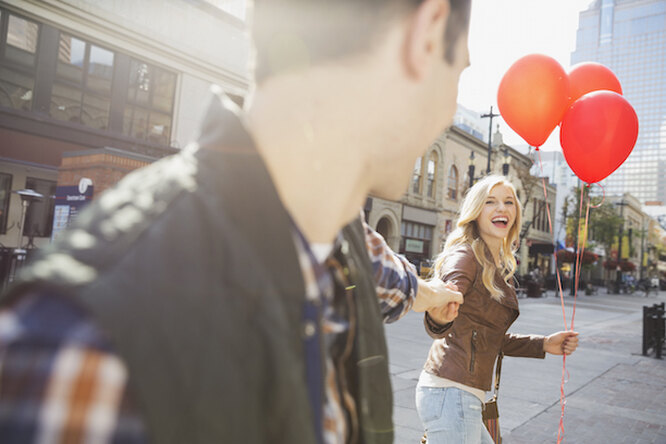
(603, 224)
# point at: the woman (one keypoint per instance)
(479, 259)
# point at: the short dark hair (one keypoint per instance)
(292, 33)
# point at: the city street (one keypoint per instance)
(613, 394)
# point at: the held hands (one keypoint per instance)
(562, 342)
(441, 300)
(445, 313)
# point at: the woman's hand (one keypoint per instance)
(562, 342)
(444, 314)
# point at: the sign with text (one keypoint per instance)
(413, 246)
(68, 202)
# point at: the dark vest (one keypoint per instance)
(190, 269)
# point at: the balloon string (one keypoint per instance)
(563, 399)
(565, 372)
(585, 229)
(603, 196)
(579, 251)
(550, 227)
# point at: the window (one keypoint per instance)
(82, 89)
(39, 217)
(416, 177)
(453, 183)
(448, 226)
(21, 40)
(416, 239)
(416, 230)
(5, 193)
(17, 67)
(149, 103)
(431, 175)
(540, 216)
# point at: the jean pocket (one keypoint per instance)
(430, 403)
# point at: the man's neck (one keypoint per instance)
(315, 147)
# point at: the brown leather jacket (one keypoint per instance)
(465, 351)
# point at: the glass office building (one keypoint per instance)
(629, 37)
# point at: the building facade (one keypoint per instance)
(629, 37)
(418, 224)
(129, 79)
(554, 167)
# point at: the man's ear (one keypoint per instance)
(424, 39)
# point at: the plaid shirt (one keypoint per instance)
(60, 382)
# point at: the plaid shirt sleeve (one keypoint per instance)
(395, 277)
(59, 379)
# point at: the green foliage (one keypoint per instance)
(603, 225)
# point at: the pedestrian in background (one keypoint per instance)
(479, 259)
(226, 294)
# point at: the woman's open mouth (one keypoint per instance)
(500, 221)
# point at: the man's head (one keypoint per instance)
(381, 75)
(291, 34)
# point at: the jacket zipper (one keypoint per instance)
(473, 357)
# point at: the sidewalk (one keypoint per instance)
(614, 395)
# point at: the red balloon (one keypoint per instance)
(597, 134)
(589, 76)
(533, 96)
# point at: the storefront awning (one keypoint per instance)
(541, 248)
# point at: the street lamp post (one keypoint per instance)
(472, 168)
(490, 115)
(27, 196)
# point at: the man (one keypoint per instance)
(226, 294)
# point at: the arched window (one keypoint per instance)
(453, 183)
(384, 227)
(431, 175)
(416, 177)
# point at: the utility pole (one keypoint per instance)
(641, 273)
(574, 268)
(490, 115)
(618, 277)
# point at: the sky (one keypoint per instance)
(502, 31)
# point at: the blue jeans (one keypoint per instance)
(451, 416)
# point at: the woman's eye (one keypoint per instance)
(508, 202)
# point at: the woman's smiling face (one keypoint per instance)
(498, 214)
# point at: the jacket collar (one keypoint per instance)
(244, 187)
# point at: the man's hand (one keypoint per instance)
(435, 295)
(562, 342)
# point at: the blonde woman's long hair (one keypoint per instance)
(467, 232)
